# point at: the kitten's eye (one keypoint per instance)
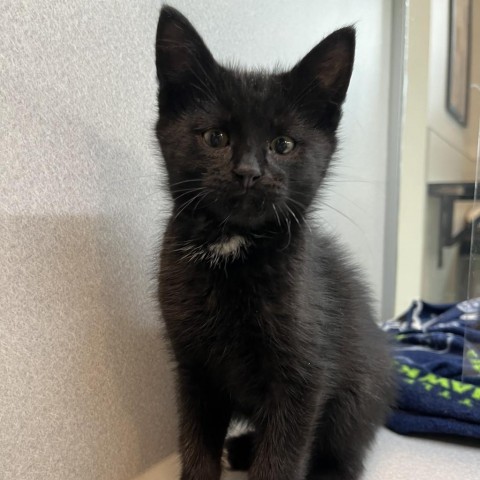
(215, 138)
(282, 145)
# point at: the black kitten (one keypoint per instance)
(266, 318)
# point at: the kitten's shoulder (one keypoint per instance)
(332, 267)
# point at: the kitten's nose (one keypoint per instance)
(247, 175)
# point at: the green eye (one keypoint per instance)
(215, 138)
(282, 145)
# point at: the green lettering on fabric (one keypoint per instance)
(460, 387)
(474, 359)
(434, 380)
(472, 353)
(476, 394)
(410, 372)
(445, 394)
(475, 364)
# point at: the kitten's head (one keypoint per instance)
(244, 148)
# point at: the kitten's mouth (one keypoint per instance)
(251, 202)
(248, 209)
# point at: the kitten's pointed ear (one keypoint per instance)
(329, 64)
(180, 51)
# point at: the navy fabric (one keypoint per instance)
(437, 355)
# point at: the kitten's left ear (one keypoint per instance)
(329, 65)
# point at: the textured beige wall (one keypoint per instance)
(85, 386)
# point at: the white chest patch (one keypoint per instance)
(232, 246)
(220, 253)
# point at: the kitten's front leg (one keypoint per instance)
(204, 419)
(284, 437)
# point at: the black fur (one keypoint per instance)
(267, 319)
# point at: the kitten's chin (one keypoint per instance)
(248, 221)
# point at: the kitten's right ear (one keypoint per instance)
(180, 51)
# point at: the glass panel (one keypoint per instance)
(471, 357)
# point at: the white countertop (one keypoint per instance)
(393, 457)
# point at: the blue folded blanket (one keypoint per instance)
(437, 355)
